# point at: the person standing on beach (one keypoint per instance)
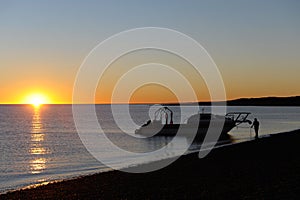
(256, 127)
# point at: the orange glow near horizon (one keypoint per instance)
(36, 99)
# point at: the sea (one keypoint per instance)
(39, 145)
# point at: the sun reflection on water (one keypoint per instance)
(38, 151)
(35, 137)
(38, 163)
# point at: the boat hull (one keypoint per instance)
(186, 130)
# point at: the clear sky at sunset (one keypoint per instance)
(255, 44)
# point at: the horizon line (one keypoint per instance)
(143, 103)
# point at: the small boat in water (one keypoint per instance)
(197, 125)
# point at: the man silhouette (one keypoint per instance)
(256, 127)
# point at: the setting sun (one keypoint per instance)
(36, 100)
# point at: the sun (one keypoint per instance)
(36, 100)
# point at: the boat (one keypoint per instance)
(162, 124)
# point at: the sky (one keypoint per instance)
(255, 45)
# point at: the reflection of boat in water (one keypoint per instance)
(163, 125)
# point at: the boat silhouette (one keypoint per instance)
(196, 126)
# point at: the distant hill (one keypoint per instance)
(263, 101)
(266, 101)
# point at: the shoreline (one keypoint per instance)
(74, 177)
(252, 169)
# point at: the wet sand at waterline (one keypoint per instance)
(259, 169)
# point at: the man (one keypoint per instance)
(256, 127)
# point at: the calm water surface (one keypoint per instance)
(41, 144)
